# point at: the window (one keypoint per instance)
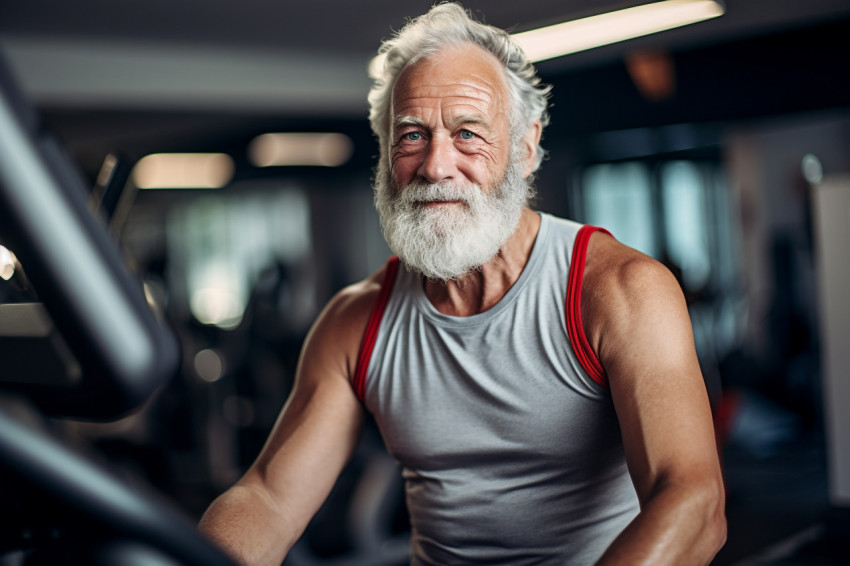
(221, 245)
(618, 197)
(686, 207)
(674, 211)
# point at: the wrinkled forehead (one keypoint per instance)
(457, 75)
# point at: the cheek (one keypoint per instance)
(493, 155)
(403, 168)
(485, 170)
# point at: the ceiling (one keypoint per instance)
(134, 68)
(273, 55)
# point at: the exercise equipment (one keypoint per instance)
(89, 347)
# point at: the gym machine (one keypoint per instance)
(90, 347)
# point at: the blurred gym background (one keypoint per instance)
(716, 148)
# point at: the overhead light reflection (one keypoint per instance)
(310, 149)
(183, 171)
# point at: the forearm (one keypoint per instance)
(678, 526)
(243, 523)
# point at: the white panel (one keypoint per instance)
(831, 209)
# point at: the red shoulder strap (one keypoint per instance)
(371, 334)
(586, 356)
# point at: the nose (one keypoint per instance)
(438, 161)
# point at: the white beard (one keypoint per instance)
(448, 241)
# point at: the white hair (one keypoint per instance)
(449, 25)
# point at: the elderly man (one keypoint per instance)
(536, 379)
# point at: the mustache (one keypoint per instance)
(418, 192)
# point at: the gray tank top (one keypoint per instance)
(511, 452)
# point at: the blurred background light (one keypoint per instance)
(217, 306)
(812, 169)
(311, 149)
(7, 264)
(653, 73)
(183, 171)
(221, 243)
(209, 365)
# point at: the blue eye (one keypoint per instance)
(412, 136)
(466, 135)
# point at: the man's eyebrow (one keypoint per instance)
(468, 119)
(400, 121)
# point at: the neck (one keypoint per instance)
(480, 290)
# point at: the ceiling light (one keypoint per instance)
(612, 27)
(322, 150)
(183, 171)
(603, 29)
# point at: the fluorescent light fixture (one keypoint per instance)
(604, 29)
(312, 149)
(183, 171)
(612, 27)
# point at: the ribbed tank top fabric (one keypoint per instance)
(510, 449)
(575, 329)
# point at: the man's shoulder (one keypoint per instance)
(354, 303)
(335, 337)
(623, 291)
(619, 275)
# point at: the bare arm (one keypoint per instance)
(639, 326)
(259, 519)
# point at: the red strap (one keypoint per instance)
(586, 356)
(371, 334)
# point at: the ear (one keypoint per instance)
(530, 143)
